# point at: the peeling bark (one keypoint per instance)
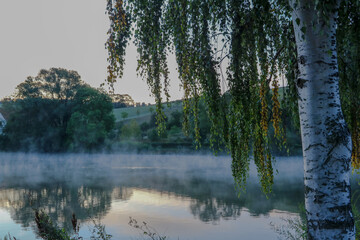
(326, 140)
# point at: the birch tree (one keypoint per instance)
(262, 41)
(326, 140)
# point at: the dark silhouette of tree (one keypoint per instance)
(55, 83)
(57, 112)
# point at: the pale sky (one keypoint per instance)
(40, 34)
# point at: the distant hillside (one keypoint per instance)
(143, 113)
(137, 130)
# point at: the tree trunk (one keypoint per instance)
(326, 140)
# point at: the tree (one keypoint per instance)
(131, 130)
(175, 119)
(263, 40)
(325, 137)
(35, 124)
(73, 116)
(92, 119)
(55, 83)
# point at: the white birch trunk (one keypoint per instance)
(326, 140)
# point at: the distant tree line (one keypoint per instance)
(122, 100)
(56, 112)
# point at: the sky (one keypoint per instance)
(41, 34)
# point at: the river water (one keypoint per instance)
(181, 196)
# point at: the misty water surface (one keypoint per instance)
(182, 196)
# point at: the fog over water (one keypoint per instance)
(36, 168)
(185, 196)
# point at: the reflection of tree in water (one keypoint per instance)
(87, 184)
(60, 201)
(210, 210)
(221, 201)
(213, 200)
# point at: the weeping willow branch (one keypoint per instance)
(257, 49)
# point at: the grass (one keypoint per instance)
(296, 228)
(143, 113)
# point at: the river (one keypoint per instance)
(181, 196)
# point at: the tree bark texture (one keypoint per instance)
(326, 140)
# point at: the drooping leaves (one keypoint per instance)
(348, 48)
(260, 55)
(118, 36)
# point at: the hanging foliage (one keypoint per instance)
(259, 51)
(349, 68)
(118, 36)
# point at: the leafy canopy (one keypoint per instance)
(55, 83)
(92, 119)
(56, 112)
(256, 40)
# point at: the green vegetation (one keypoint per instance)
(53, 114)
(144, 112)
(124, 115)
(35, 124)
(48, 230)
(138, 132)
(146, 230)
(56, 112)
(262, 41)
(92, 119)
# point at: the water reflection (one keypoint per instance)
(58, 200)
(104, 185)
(210, 200)
(88, 184)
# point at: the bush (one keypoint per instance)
(131, 130)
